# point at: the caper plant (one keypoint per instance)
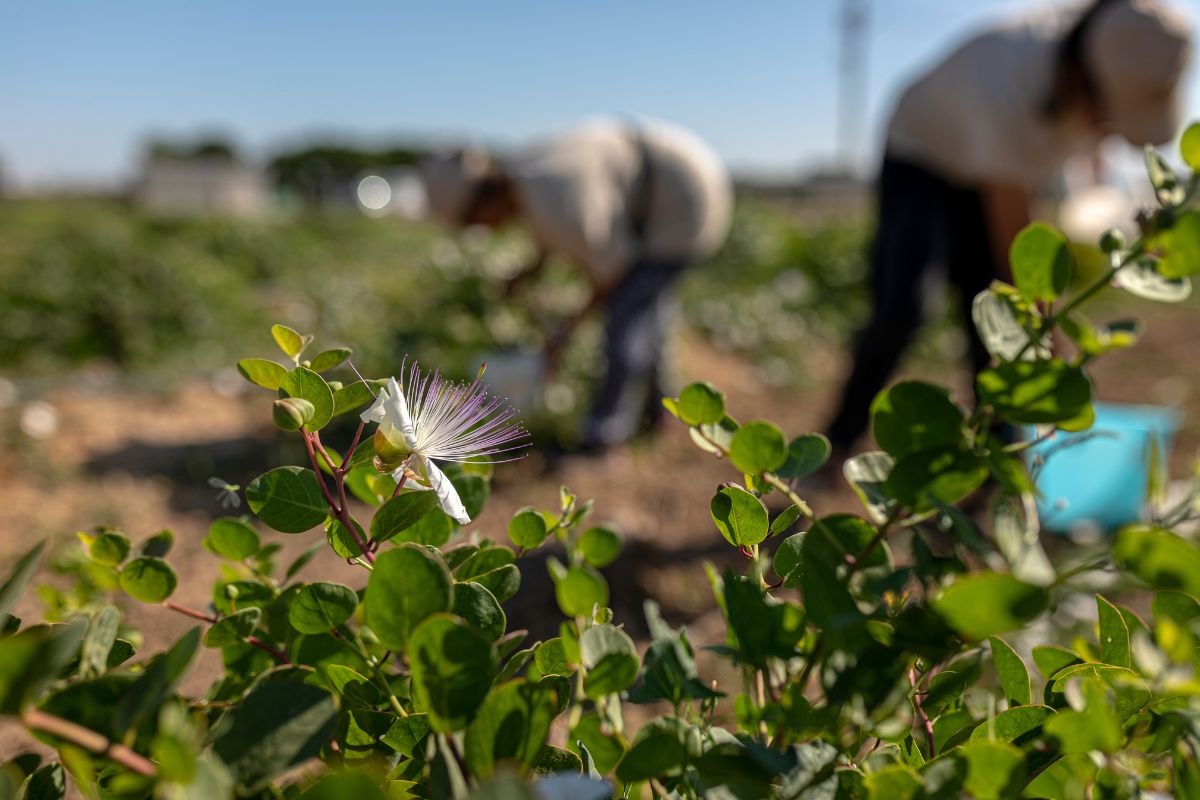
(879, 655)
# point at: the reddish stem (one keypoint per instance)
(339, 510)
(88, 739)
(926, 724)
(211, 619)
(353, 446)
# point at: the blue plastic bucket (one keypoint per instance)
(1098, 476)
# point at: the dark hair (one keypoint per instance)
(1071, 73)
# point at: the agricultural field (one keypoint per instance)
(118, 333)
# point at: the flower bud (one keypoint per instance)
(291, 413)
(334, 385)
(1112, 241)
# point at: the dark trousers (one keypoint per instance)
(924, 221)
(633, 384)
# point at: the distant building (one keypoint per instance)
(200, 186)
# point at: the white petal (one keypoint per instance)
(446, 493)
(376, 412)
(397, 414)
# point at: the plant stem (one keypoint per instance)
(339, 506)
(88, 739)
(211, 619)
(775, 481)
(926, 724)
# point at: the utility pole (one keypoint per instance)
(852, 81)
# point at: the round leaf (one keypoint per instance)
(288, 499)
(912, 416)
(148, 579)
(233, 539)
(758, 447)
(929, 478)
(262, 372)
(527, 528)
(700, 404)
(1035, 391)
(1189, 146)
(806, 454)
(739, 516)
(308, 385)
(1041, 262)
(289, 341)
(988, 602)
(106, 547)
(610, 658)
(329, 358)
(401, 513)
(452, 669)
(580, 590)
(407, 585)
(512, 725)
(480, 609)
(599, 546)
(317, 607)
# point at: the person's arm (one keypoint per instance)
(1006, 212)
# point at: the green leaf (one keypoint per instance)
(434, 529)
(480, 609)
(931, 478)
(866, 473)
(1179, 607)
(1001, 319)
(1010, 725)
(46, 783)
(1051, 658)
(352, 397)
(1035, 391)
(343, 786)
(1041, 262)
(1181, 247)
(15, 584)
(1096, 727)
(985, 603)
(712, 438)
(784, 520)
(157, 545)
(1114, 635)
(157, 681)
(328, 359)
(527, 528)
(305, 384)
(233, 628)
(106, 547)
(895, 782)
(233, 539)
(318, 607)
(994, 769)
(279, 725)
(288, 499)
(511, 725)
(610, 658)
(31, 659)
(289, 341)
(401, 513)
(699, 404)
(473, 491)
(1143, 279)
(599, 546)
(493, 568)
(758, 447)
(407, 735)
(150, 580)
(739, 516)
(407, 585)
(806, 454)
(659, 749)
(301, 561)
(1189, 146)
(912, 416)
(262, 372)
(1012, 672)
(580, 590)
(452, 669)
(98, 643)
(1158, 557)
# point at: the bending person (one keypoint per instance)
(633, 205)
(977, 135)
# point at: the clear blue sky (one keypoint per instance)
(81, 84)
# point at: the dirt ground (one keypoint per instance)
(139, 462)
